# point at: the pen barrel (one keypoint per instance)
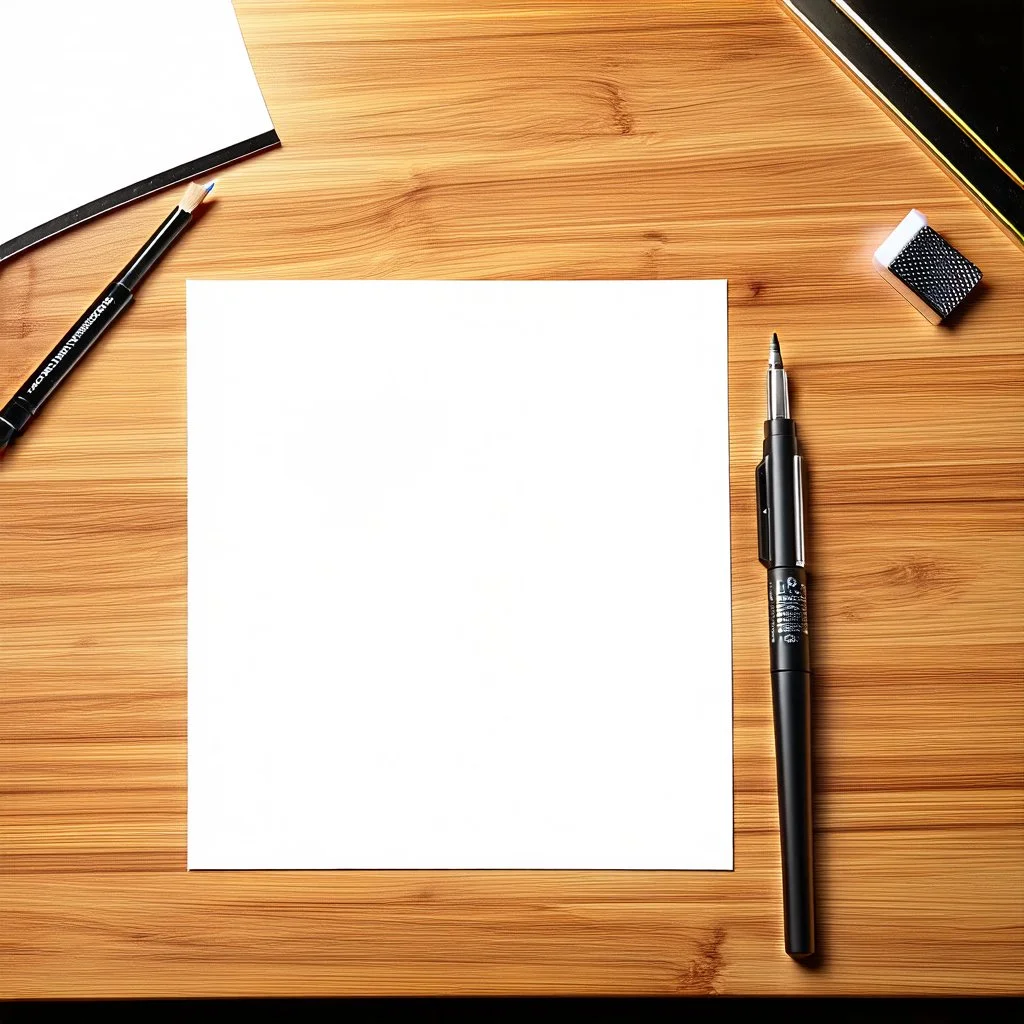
(150, 254)
(780, 548)
(791, 703)
(65, 355)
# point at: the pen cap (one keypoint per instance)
(925, 269)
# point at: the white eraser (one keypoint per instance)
(925, 269)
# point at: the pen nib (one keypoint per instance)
(775, 354)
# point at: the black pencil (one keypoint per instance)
(90, 326)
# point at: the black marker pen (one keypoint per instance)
(16, 415)
(780, 548)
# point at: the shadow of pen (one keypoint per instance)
(820, 779)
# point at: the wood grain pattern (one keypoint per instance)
(511, 139)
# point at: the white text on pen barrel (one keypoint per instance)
(71, 343)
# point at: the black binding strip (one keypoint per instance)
(176, 175)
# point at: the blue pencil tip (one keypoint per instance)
(209, 188)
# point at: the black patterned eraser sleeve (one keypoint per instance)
(925, 269)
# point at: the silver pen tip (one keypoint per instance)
(774, 354)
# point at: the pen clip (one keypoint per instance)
(764, 536)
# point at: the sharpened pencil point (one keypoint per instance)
(194, 195)
(774, 353)
(209, 188)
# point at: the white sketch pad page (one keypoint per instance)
(110, 100)
(459, 577)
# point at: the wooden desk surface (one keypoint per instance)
(604, 140)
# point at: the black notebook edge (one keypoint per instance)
(904, 65)
(147, 186)
(997, 193)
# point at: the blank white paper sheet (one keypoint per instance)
(108, 100)
(458, 575)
